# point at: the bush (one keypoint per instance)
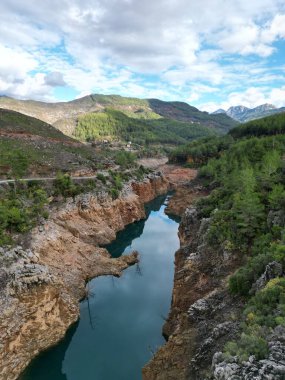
(242, 281)
(19, 211)
(125, 159)
(248, 344)
(65, 186)
(89, 185)
(101, 178)
(114, 193)
(118, 182)
(267, 304)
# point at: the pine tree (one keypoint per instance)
(247, 207)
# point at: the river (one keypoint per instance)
(120, 324)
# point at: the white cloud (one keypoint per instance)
(277, 96)
(108, 45)
(274, 30)
(15, 64)
(250, 98)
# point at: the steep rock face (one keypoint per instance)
(40, 287)
(183, 196)
(148, 189)
(203, 315)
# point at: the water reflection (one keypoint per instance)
(120, 323)
(48, 365)
(125, 237)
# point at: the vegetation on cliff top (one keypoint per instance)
(245, 171)
(31, 148)
(197, 153)
(20, 209)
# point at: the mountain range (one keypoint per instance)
(244, 114)
(64, 115)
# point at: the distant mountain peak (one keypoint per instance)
(265, 107)
(220, 110)
(243, 114)
(239, 108)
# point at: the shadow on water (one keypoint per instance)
(133, 231)
(120, 323)
(175, 218)
(41, 367)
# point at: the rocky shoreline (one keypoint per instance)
(204, 315)
(41, 284)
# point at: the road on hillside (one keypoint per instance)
(39, 179)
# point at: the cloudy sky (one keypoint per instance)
(210, 53)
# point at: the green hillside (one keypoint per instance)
(29, 146)
(16, 122)
(116, 125)
(200, 151)
(65, 115)
(270, 125)
(245, 173)
(221, 123)
(31, 149)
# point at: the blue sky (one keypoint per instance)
(211, 53)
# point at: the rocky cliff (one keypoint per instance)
(204, 315)
(41, 284)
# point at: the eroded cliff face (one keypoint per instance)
(203, 314)
(42, 284)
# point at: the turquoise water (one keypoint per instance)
(120, 324)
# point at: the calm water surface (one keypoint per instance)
(120, 325)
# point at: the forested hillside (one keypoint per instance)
(199, 152)
(245, 173)
(271, 125)
(148, 120)
(181, 111)
(31, 149)
(116, 125)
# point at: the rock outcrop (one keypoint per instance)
(203, 314)
(40, 286)
(272, 368)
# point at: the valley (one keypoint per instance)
(142, 121)
(65, 203)
(142, 190)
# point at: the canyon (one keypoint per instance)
(204, 314)
(43, 280)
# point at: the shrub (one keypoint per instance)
(125, 159)
(248, 344)
(65, 186)
(242, 281)
(114, 193)
(118, 182)
(20, 210)
(101, 178)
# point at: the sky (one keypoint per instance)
(210, 53)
